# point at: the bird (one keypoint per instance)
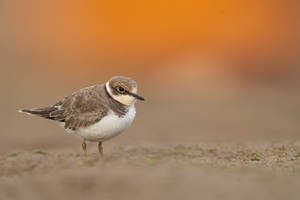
(96, 113)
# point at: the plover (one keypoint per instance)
(96, 113)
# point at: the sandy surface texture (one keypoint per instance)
(202, 171)
(234, 144)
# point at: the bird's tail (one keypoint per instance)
(40, 112)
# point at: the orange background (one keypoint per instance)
(234, 62)
(243, 37)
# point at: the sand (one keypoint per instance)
(242, 145)
(202, 171)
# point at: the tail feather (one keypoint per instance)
(40, 112)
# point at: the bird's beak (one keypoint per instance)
(137, 96)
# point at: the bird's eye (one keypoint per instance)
(120, 89)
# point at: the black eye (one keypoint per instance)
(120, 89)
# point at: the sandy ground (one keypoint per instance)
(203, 171)
(238, 145)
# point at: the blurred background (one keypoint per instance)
(211, 71)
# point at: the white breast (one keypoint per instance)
(107, 128)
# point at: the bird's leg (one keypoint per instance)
(100, 148)
(84, 147)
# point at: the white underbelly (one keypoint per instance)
(107, 128)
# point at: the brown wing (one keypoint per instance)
(81, 109)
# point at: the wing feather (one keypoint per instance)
(81, 109)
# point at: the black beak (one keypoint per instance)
(136, 96)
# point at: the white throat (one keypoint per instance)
(124, 99)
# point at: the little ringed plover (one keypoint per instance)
(96, 113)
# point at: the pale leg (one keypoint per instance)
(84, 147)
(100, 148)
